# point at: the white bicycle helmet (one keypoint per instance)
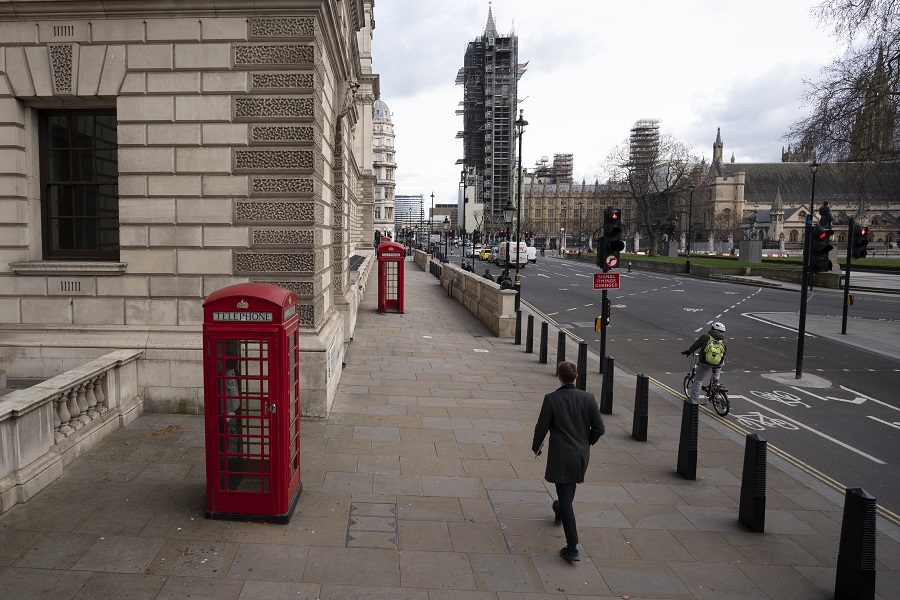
(718, 327)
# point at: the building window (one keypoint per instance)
(79, 185)
(377, 212)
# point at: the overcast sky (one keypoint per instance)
(594, 68)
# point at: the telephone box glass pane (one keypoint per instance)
(244, 417)
(390, 280)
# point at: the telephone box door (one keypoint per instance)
(245, 427)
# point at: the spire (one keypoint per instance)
(717, 148)
(776, 204)
(490, 30)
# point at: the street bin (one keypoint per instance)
(390, 276)
(251, 388)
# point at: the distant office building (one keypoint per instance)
(409, 210)
(385, 165)
(489, 77)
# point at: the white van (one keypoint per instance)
(531, 254)
(508, 255)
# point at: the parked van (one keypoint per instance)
(508, 255)
(531, 254)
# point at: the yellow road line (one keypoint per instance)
(888, 515)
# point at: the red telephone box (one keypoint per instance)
(251, 386)
(390, 276)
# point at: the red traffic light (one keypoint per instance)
(864, 231)
(825, 233)
(614, 216)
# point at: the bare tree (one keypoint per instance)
(727, 223)
(656, 181)
(854, 104)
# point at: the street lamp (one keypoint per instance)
(509, 211)
(687, 266)
(580, 206)
(520, 128)
(462, 183)
(446, 238)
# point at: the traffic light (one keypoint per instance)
(819, 262)
(611, 242)
(860, 241)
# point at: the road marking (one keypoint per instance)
(553, 313)
(755, 318)
(815, 431)
(699, 329)
(860, 397)
(895, 424)
(571, 309)
(591, 304)
(542, 275)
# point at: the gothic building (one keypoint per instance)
(154, 152)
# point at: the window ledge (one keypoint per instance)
(67, 267)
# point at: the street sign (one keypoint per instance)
(612, 261)
(606, 281)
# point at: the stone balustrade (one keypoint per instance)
(484, 299)
(47, 426)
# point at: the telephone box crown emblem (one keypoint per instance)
(243, 304)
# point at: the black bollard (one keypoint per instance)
(529, 335)
(687, 443)
(752, 511)
(855, 578)
(641, 408)
(542, 357)
(606, 389)
(561, 346)
(581, 381)
(518, 328)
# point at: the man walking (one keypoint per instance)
(712, 356)
(572, 418)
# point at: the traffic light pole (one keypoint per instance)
(804, 289)
(847, 275)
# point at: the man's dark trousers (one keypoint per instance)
(565, 492)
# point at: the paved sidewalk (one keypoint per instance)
(422, 485)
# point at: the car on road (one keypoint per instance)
(485, 253)
(531, 254)
(495, 252)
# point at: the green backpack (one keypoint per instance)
(714, 351)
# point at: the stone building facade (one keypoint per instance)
(153, 152)
(385, 165)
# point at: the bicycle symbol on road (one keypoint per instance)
(783, 397)
(759, 422)
(693, 309)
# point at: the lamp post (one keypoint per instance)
(687, 265)
(509, 211)
(462, 182)
(446, 238)
(801, 329)
(520, 129)
(580, 206)
(562, 240)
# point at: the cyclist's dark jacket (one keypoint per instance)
(701, 343)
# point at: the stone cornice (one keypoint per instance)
(35, 10)
(67, 267)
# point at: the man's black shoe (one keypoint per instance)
(569, 555)
(556, 519)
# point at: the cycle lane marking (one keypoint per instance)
(812, 430)
(859, 399)
(895, 424)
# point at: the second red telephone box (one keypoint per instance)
(251, 388)
(390, 276)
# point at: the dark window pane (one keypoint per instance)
(86, 234)
(82, 131)
(85, 200)
(60, 201)
(58, 132)
(106, 131)
(109, 200)
(83, 165)
(62, 236)
(58, 165)
(109, 233)
(107, 166)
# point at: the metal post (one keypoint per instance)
(518, 328)
(855, 577)
(752, 510)
(581, 382)
(520, 126)
(804, 292)
(529, 337)
(606, 388)
(850, 236)
(687, 442)
(641, 408)
(560, 346)
(687, 265)
(603, 319)
(542, 357)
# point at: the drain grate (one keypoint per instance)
(372, 525)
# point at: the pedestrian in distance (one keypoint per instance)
(487, 275)
(712, 346)
(572, 418)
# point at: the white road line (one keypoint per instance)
(542, 275)
(553, 313)
(699, 329)
(895, 424)
(755, 318)
(591, 304)
(571, 309)
(815, 431)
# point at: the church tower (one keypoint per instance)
(776, 216)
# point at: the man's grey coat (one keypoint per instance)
(572, 418)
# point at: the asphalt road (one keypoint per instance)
(841, 421)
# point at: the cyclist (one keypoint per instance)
(712, 356)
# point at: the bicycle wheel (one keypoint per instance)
(688, 382)
(720, 403)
